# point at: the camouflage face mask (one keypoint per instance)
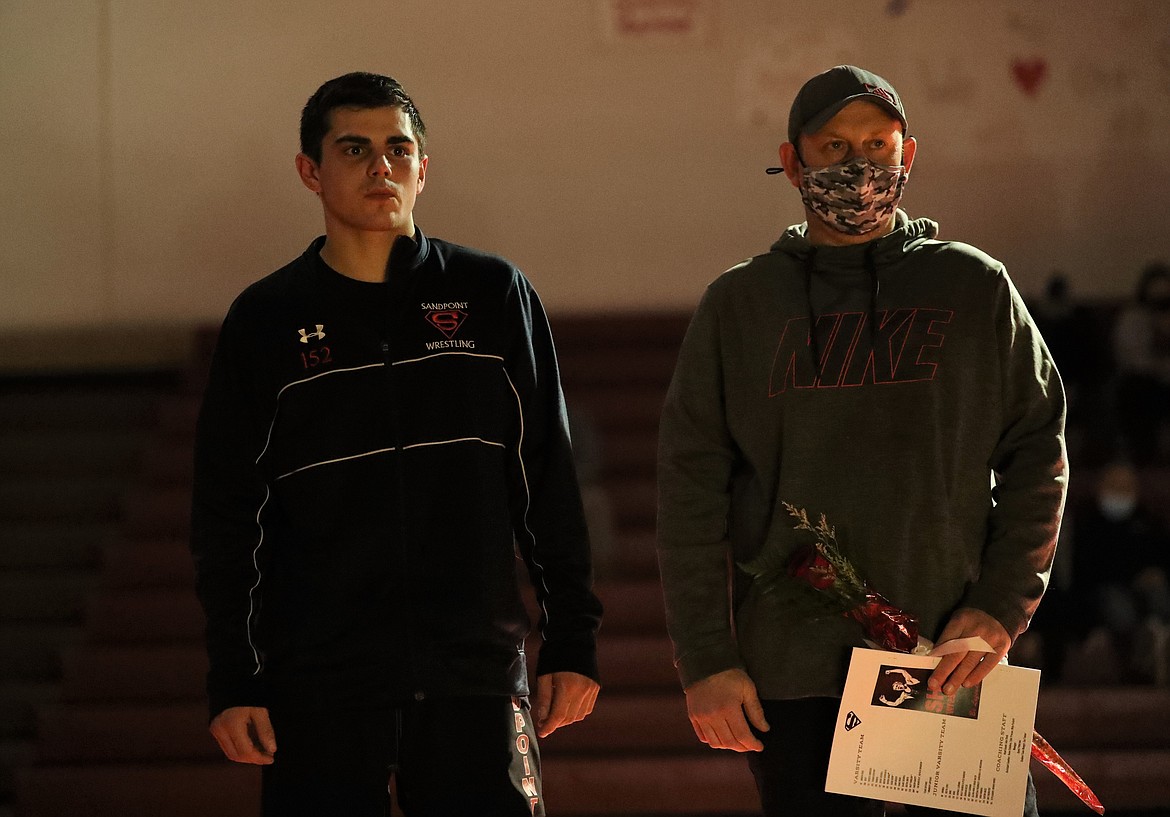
(854, 197)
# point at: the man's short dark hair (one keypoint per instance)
(359, 90)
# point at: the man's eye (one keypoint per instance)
(353, 150)
(400, 152)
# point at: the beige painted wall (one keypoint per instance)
(148, 144)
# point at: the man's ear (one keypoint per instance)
(307, 170)
(791, 163)
(422, 173)
(909, 148)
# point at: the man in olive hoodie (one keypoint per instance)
(864, 370)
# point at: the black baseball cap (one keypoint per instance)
(821, 97)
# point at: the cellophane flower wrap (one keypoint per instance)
(821, 566)
(835, 586)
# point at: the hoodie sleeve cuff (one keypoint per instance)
(1009, 615)
(578, 656)
(699, 664)
(225, 693)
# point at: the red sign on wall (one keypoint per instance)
(639, 20)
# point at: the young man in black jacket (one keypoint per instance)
(383, 432)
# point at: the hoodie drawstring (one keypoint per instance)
(874, 287)
(810, 268)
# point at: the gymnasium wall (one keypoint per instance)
(614, 149)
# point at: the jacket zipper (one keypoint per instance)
(403, 584)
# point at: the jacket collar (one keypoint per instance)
(407, 255)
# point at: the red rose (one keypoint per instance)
(810, 565)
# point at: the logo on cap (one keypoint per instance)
(882, 92)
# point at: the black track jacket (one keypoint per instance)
(369, 460)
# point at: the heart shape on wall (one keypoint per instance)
(1030, 74)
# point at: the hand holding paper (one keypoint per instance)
(963, 665)
(897, 740)
(970, 645)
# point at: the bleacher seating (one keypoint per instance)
(124, 733)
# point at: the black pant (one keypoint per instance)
(790, 772)
(448, 757)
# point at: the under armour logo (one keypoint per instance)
(852, 721)
(319, 334)
(882, 92)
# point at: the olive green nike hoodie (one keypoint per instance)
(925, 379)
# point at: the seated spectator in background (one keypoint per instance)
(1141, 344)
(1062, 324)
(1079, 345)
(1120, 562)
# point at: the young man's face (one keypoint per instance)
(370, 173)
